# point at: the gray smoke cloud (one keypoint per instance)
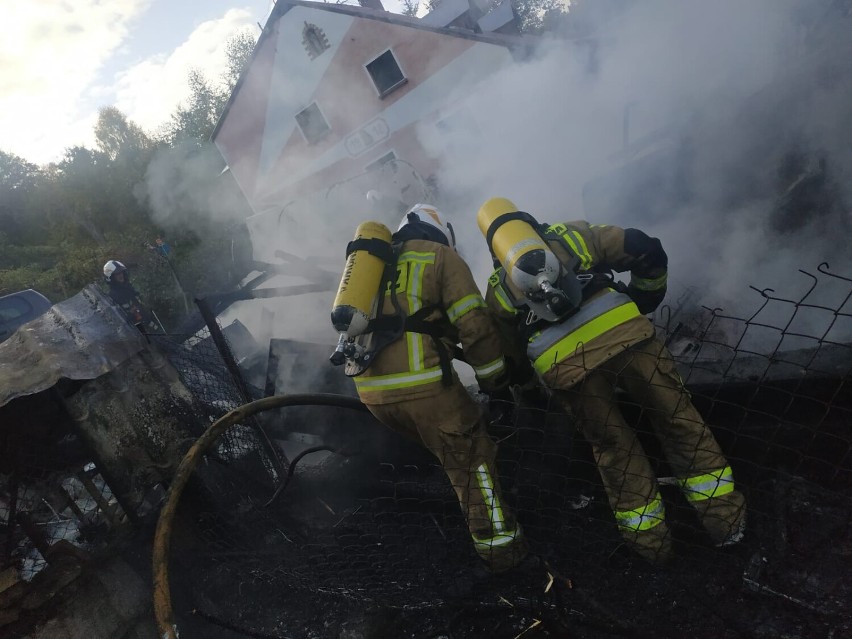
(717, 127)
(185, 184)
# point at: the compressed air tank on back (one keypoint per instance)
(355, 302)
(524, 255)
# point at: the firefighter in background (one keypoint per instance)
(122, 292)
(410, 384)
(584, 335)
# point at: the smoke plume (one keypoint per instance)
(717, 127)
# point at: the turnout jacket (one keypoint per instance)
(608, 319)
(127, 297)
(431, 275)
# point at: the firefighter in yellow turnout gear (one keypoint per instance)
(411, 387)
(584, 336)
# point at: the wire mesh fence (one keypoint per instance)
(73, 505)
(368, 537)
(57, 494)
(202, 360)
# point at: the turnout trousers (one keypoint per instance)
(451, 425)
(647, 373)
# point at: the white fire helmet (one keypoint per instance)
(431, 216)
(112, 267)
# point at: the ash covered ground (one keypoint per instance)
(375, 546)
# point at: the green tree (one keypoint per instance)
(196, 118)
(16, 172)
(582, 19)
(60, 223)
(115, 135)
(410, 7)
(535, 16)
(18, 178)
(238, 50)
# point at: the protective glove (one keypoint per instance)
(646, 301)
(501, 406)
(530, 395)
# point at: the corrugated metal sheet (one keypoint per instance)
(81, 338)
(138, 420)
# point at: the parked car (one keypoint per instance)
(19, 308)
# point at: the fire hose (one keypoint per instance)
(162, 537)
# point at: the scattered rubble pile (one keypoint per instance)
(366, 539)
(397, 547)
(373, 544)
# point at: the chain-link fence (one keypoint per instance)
(316, 521)
(367, 536)
(84, 460)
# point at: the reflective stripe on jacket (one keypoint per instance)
(431, 275)
(607, 322)
(595, 318)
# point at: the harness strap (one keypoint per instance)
(509, 217)
(417, 323)
(390, 327)
(373, 246)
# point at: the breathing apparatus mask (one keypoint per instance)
(552, 289)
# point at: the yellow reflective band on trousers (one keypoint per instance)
(713, 484)
(491, 368)
(501, 536)
(398, 380)
(463, 306)
(644, 518)
(594, 318)
(415, 263)
(650, 283)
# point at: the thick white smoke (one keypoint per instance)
(714, 100)
(184, 184)
(728, 112)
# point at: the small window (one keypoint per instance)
(314, 40)
(386, 74)
(312, 123)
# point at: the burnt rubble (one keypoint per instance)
(366, 539)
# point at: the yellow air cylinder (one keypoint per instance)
(516, 244)
(359, 286)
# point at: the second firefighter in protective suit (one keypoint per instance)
(410, 384)
(126, 296)
(586, 336)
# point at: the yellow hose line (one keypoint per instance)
(162, 537)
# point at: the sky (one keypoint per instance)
(60, 61)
